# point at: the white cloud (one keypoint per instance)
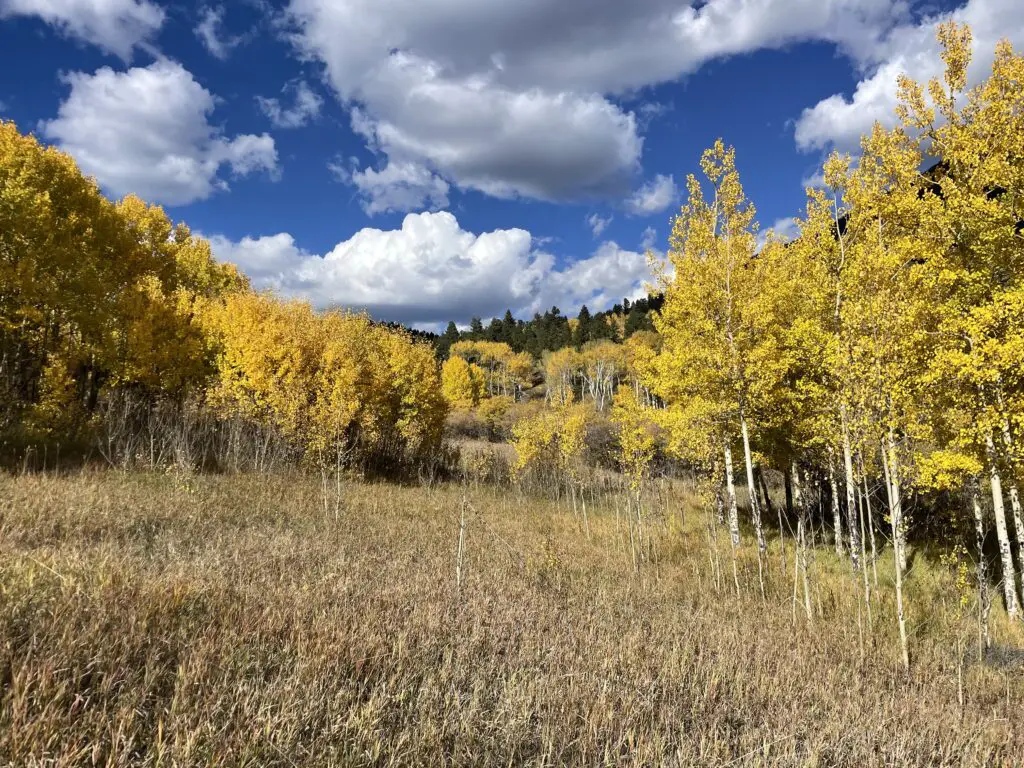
(505, 143)
(649, 238)
(786, 228)
(654, 196)
(306, 105)
(147, 131)
(513, 98)
(209, 33)
(907, 49)
(597, 224)
(398, 187)
(431, 270)
(116, 26)
(815, 179)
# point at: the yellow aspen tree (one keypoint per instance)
(462, 383)
(979, 136)
(563, 372)
(604, 365)
(715, 323)
(890, 308)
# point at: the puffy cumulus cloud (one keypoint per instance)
(503, 142)
(399, 186)
(209, 32)
(515, 98)
(911, 49)
(147, 131)
(306, 105)
(431, 270)
(116, 26)
(654, 196)
(583, 46)
(598, 281)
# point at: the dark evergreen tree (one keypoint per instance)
(536, 335)
(583, 327)
(601, 328)
(445, 340)
(558, 333)
(638, 321)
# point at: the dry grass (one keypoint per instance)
(151, 619)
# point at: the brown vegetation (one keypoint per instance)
(174, 619)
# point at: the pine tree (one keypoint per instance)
(447, 339)
(583, 332)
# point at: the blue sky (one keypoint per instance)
(438, 159)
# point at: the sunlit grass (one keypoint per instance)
(166, 619)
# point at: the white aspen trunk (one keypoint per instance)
(984, 601)
(851, 493)
(730, 490)
(837, 520)
(895, 507)
(1015, 506)
(734, 517)
(755, 508)
(801, 542)
(870, 521)
(1018, 522)
(1005, 553)
(864, 569)
(898, 543)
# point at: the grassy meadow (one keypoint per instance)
(178, 619)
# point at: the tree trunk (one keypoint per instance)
(864, 569)
(837, 520)
(730, 490)
(1005, 553)
(801, 541)
(851, 494)
(899, 542)
(788, 480)
(870, 520)
(755, 508)
(1018, 517)
(734, 517)
(1018, 522)
(895, 506)
(984, 601)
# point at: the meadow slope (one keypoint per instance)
(165, 619)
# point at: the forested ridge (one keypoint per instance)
(552, 330)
